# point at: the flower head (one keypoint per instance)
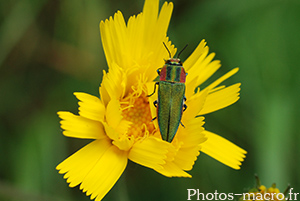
(120, 120)
(262, 193)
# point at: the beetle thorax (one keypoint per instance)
(173, 71)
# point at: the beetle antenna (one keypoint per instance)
(167, 50)
(182, 50)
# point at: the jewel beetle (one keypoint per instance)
(171, 99)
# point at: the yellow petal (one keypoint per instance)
(113, 113)
(190, 88)
(123, 126)
(191, 138)
(223, 150)
(90, 106)
(222, 78)
(189, 62)
(112, 39)
(152, 21)
(118, 31)
(81, 127)
(113, 84)
(124, 143)
(200, 65)
(187, 144)
(134, 48)
(216, 88)
(204, 68)
(172, 170)
(114, 117)
(149, 152)
(195, 104)
(111, 132)
(191, 135)
(101, 178)
(165, 17)
(221, 99)
(78, 165)
(150, 13)
(186, 157)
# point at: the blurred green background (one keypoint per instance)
(50, 49)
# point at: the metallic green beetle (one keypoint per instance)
(170, 103)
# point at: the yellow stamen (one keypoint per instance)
(139, 114)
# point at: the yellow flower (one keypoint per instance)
(262, 193)
(120, 120)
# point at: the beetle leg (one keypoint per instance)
(158, 71)
(182, 125)
(155, 103)
(156, 83)
(184, 107)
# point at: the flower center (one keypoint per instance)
(139, 114)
